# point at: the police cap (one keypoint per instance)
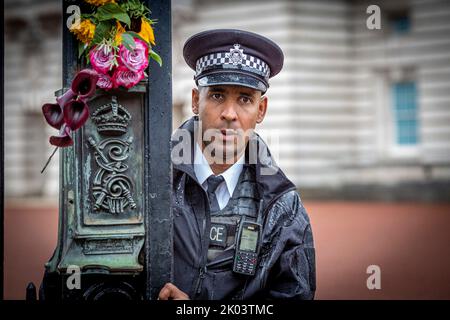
(233, 57)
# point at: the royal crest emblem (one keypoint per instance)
(236, 55)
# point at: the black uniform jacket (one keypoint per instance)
(286, 262)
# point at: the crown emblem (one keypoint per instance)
(111, 119)
(236, 55)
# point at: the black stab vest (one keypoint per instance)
(225, 222)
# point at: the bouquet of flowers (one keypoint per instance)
(116, 39)
(115, 42)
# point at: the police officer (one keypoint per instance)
(240, 229)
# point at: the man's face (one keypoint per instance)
(228, 114)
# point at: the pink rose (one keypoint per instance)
(105, 81)
(135, 60)
(102, 59)
(127, 78)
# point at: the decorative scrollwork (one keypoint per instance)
(111, 187)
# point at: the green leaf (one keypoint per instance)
(128, 41)
(156, 57)
(81, 48)
(135, 8)
(135, 35)
(113, 11)
(102, 31)
(90, 16)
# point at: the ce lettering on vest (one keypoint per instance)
(218, 234)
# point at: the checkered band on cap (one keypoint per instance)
(224, 60)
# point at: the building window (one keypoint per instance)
(400, 22)
(405, 113)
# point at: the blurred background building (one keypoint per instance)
(356, 114)
(352, 107)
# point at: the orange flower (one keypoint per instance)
(84, 31)
(99, 2)
(120, 30)
(147, 32)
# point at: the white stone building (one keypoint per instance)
(355, 112)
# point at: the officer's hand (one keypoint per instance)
(170, 292)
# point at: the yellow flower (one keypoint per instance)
(147, 32)
(85, 31)
(99, 2)
(120, 30)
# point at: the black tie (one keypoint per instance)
(213, 182)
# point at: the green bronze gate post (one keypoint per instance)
(115, 215)
(158, 178)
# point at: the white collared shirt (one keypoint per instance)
(231, 176)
